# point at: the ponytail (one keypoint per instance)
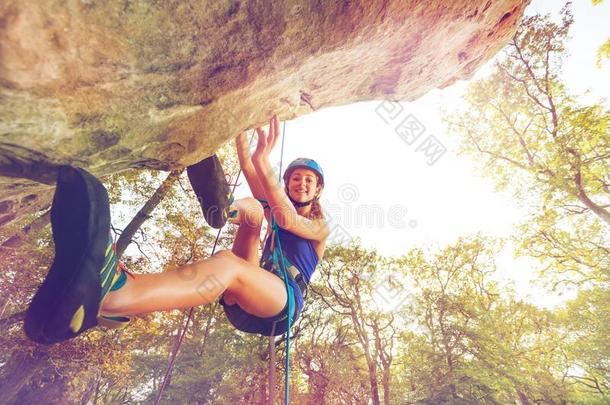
(316, 210)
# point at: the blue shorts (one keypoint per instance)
(272, 326)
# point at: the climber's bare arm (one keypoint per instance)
(282, 209)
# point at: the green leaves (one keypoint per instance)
(540, 142)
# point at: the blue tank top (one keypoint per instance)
(299, 252)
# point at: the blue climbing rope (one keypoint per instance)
(279, 260)
(284, 267)
(290, 295)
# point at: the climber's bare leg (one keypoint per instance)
(250, 220)
(255, 290)
(245, 245)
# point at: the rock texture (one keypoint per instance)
(109, 85)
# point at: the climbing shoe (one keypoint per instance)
(212, 190)
(85, 266)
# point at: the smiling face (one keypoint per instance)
(303, 185)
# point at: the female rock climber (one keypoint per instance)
(86, 285)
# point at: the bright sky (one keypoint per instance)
(371, 172)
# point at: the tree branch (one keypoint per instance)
(126, 237)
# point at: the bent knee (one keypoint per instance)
(231, 263)
(228, 255)
(225, 254)
(250, 200)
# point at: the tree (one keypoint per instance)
(328, 356)
(471, 344)
(587, 321)
(537, 140)
(145, 212)
(604, 49)
(522, 123)
(350, 276)
(531, 136)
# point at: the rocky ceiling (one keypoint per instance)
(110, 85)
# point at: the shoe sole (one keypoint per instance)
(208, 181)
(68, 300)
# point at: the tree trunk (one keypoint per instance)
(272, 378)
(53, 390)
(96, 392)
(90, 391)
(386, 386)
(15, 241)
(9, 321)
(3, 306)
(17, 373)
(373, 381)
(523, 398)
(383, 350)
(582, 194)
(145, 211)
(596, 209)
(263, 399)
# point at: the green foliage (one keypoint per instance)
(587, 323)
(476, 345)
(603, 53)
(604, 49)
(527, 131)
(460, 338)
(540, 142)
(535, 139)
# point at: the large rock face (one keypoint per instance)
(108, 85)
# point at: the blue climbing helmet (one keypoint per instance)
(304, 163)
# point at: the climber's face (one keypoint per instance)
(303, 185)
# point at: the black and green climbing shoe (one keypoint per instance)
(85, 266)
(212, 190)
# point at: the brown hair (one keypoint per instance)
(316, 210)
